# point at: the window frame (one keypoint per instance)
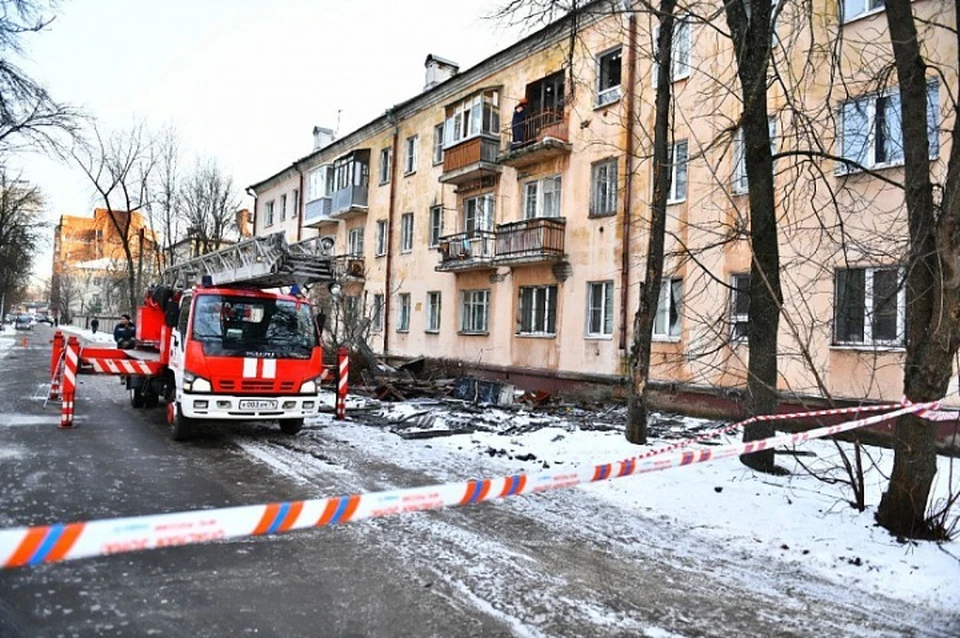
(296, 203)
(411, 147)
(867, 310)
(605, 164)
(738, 181)
(269, 213)
(470, 299)
(406, 233)
(376, 313)
(354, 246)
(540, 198)
(403, 312)
(676, 168)
(283, 207)
(386, 166)
(436, 225)
(543, 312)
(866, 11)
(736, 319)
(381, 238)
(607, 301)
(434, 309)
(667, 287)
(438, 144)
(679, 69)
(611, 94)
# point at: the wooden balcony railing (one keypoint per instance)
(473, 151)
(530, 239)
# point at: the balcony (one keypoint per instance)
(530, 241)
(470, 160)
(473, 250)
(317, 213)
(348, 267)
(542, 136)
(349, 202)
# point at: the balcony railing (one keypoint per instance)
(470, 159)
(538, 137)
(530, 240)
(467, 251)
(318, 211)
(349, 266)
(349, 199)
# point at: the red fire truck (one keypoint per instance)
(230, 347)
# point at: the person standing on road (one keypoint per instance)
(94, 324)
(125, 333)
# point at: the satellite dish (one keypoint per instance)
(326, 246)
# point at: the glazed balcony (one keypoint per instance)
(473, 250)
(317, 213)
(470, 160)
(542, 136)
(349, 202)
(530, 241)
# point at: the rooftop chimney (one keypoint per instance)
(322, 137)
(438, 71)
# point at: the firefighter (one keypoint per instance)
(125, 333)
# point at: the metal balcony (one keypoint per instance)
(473, 250)
(349, 267)
(317, 213)
(541, 136)
(530, 241)
(349, 202)
(471, 160)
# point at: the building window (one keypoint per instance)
(410, 154)
(603, 188)
(355, 242)
(478, 213)
(438, 144)
(320, 183)
(376, 319)
(406, 232)
(436, 225)
(739, 306)
(870, 307)
(403, 312)
(381, 237)
(679, 53)
(600, 309)
(296, 202)
(538, 310)
(666, 325)
(269, 221)
(871, 129)
(433, 312)
(386, 165)
(541, 198)
(678, 172)
(283, 207)
(608, 77)
(476, 115)
(474, 311)
(739, 182)
(854, 8)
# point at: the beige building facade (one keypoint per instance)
(517, 244)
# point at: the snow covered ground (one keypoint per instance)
(796, 519)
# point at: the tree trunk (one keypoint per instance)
(637, 413)
(751, 39)
(933, 306)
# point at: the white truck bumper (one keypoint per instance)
(247, 407)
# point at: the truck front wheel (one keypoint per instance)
(181, 427)
(291, 426)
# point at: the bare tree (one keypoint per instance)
(119, 167)
(209, 203)
(933, 276)
(165, 209)
(21, 226)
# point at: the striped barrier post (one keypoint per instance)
(343, 363)
(56, 380)
(57, 353)
(71, 360)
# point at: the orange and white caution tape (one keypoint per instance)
(53, 543)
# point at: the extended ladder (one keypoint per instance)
(265, 262)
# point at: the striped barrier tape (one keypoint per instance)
(123, 366)
(54, 543)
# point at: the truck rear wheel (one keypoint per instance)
(291, 426)
(137, 399)
(181, 427)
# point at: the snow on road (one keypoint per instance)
(796, 524)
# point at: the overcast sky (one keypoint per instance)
(242, 81)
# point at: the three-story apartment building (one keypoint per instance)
(500, 217)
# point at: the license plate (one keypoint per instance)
(258, 404)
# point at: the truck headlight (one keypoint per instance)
(193, 383)
(310, 386)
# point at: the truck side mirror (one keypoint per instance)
(171, 314)
(321, 320)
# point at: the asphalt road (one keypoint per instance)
(515, 568)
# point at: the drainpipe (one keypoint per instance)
(628, 178)
(254, 196)
(300, 207)
(391, 212)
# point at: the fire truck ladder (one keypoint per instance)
(265, 262)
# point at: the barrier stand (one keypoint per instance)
(56, 380)
(71, 359)
(56, 355)
(343, 362)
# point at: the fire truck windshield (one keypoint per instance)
(253, 327)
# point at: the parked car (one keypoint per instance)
(44, 319)
(23, 322)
